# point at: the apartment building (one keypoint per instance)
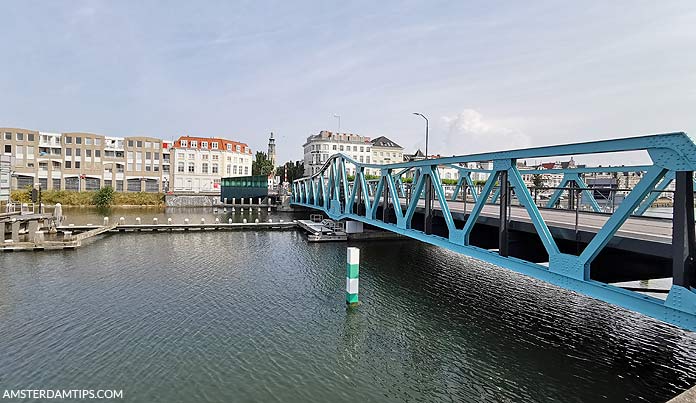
(85, 161)
(201, 162)
(5, 162)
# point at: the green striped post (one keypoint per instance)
(352, 273)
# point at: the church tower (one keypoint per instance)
(272, 150)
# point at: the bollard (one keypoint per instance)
(234, 200)
(244, 221)
(121, 221)
(202, 220)
(280, 221)
(217, 221)
(259, 200)
(229, 221)
(71, 225)
(224, 209)
(241, 209)
(137, 220)
(269, 220)
(233, 210)
(154, 221)
(258, 210)
(169, 221)
(186, 221)
(352, 274)
(256, 221)
(225, 200)
(269, 209)
(106, 221)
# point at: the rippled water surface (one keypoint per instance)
(245, 316)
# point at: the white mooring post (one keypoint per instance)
(352, 273)
(137, 220)
(217, 221)
(186, 221)
(244, 221)
(259, 201)
(154, 221)
(106, 221)
(229, 221)
(122, 221)
(169, 221)
(234, 201)
(202, 220)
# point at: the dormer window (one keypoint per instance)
(215, 145)
(194, 143)
(229, 147)
(239, 148)
(184, 143)
(204, 144)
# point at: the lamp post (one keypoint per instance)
(428, 213)
(339, 122)
(426, 132)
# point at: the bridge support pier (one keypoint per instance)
(683, 232)
(503, 235)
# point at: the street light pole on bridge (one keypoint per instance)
(428, 217)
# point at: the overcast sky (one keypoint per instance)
(489, 75)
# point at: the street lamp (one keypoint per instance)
(339, 122)
(426, 132)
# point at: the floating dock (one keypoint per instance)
(322, 230)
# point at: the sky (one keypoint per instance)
(490, 75)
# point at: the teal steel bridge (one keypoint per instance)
(424, 210)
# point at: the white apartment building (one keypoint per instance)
(201, 162)
(320, 147)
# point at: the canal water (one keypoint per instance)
(246, 316)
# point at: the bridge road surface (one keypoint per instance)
(641, 228)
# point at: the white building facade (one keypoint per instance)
(199, 163)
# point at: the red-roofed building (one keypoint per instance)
(199, 163)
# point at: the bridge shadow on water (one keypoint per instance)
(517, 333)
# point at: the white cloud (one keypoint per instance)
(468, 132)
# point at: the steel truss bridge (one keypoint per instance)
(503, 225)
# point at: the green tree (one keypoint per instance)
(295, 170)
(537, 180)
(261, 165)
(104, 197)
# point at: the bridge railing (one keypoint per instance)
(673, 158)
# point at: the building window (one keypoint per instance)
(148, 155)
(68, 152)
(130, 166)
(139, 143)
(215, 157)
(130, 143)
(97, 142)
(340, 148)
(68, 140)
(234, 170)
(362, 149)
(88, 153)
(204, 168)
(180, 156)
(229, 147)
(194, 143)
(8, 136)
(204, 144)
(238, 148)
(215, 145)
(68, 164)
(148, 168)
(78, 140)
(204, 157)
(78, 152)
(20, 137)
(148, 144)
(246, 170)
(191, 167)
(88, 141)
(184, 143)
(77, 164)
(228, 169)
(156, 156)
(215, 168)
(180, 167)
(97, 153)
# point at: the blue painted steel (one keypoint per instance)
(669, 152)
(655, 194)
(569, 177)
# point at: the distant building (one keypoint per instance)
(272, 151)
(384, 152)
(320, 147)
(84, 161)
(5, 169)
(201, 162)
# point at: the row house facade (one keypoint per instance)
(201, 162)
(79, 161)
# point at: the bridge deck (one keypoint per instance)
(641, 228)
